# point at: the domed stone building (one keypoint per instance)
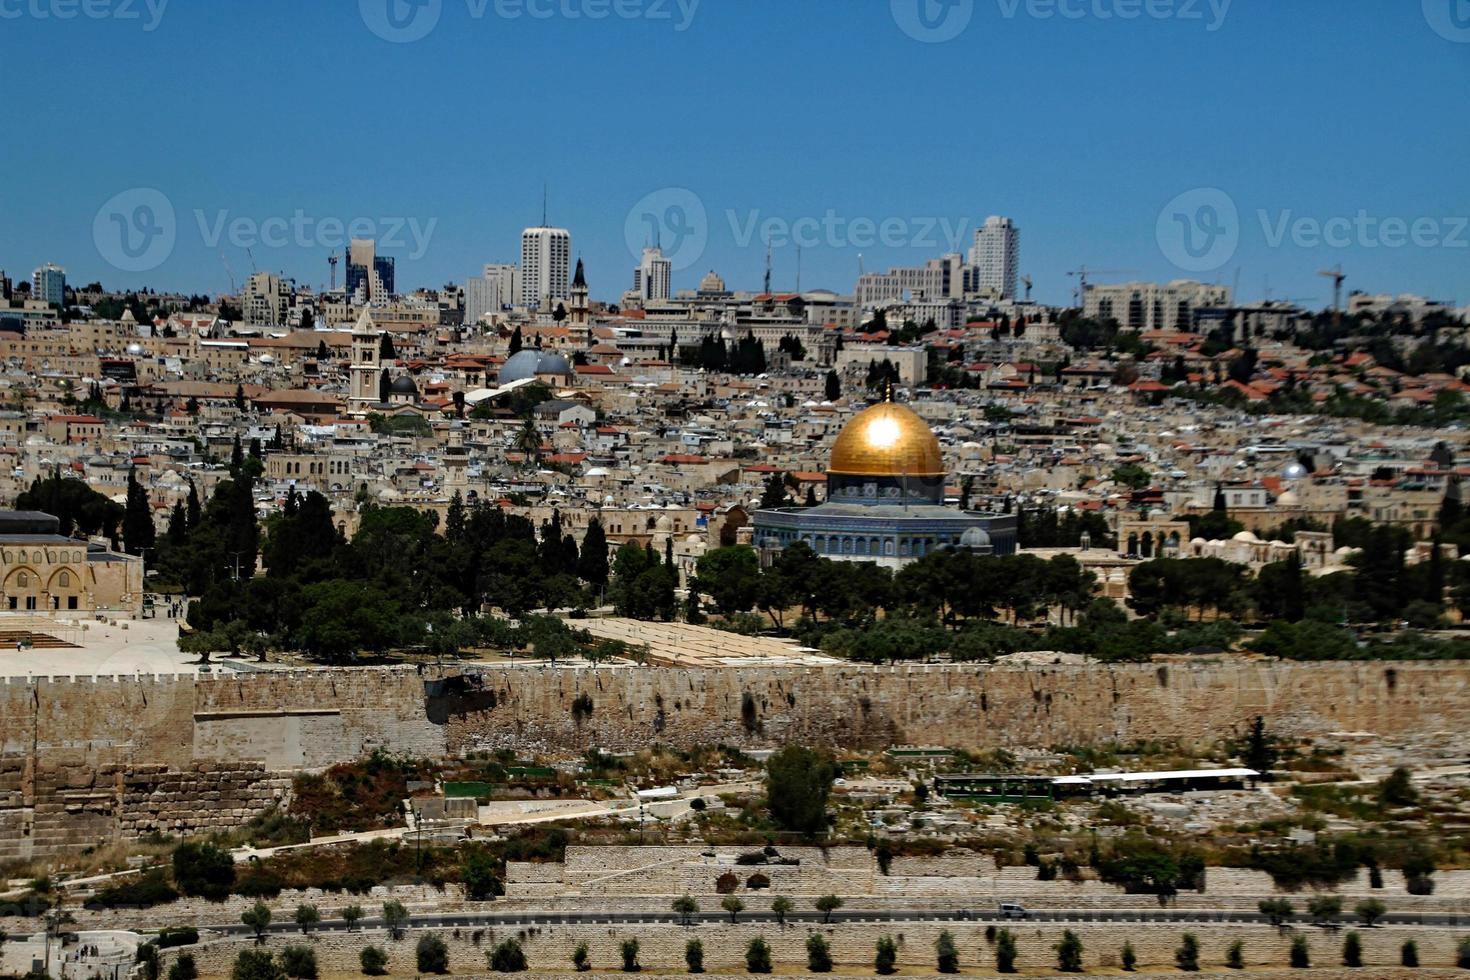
(885, 499)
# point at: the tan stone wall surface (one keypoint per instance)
(661, 947)
(58, 736)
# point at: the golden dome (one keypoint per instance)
(886, 439)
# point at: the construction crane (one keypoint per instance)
(1338, 277)
(1026, 281)
(1083, 272)
(228, 271)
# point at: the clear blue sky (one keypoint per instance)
(1082, 130)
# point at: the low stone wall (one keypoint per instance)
(549, 948)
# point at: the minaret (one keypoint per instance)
(365, 367)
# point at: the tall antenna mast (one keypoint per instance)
(798, 268)
(768, 267)
(543, 204)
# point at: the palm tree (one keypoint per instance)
(528, 440)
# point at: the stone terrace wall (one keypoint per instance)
(975, 707)
(59, 736)
(661, 947)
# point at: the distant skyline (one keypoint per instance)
(1202, 139)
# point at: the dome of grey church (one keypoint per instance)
(403, 385)
(529, 363)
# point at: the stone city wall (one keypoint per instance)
(59, 736)
(661, 947)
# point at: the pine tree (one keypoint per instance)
(192, 509)
(592, 564)
(516, 342)
(833, 388)
(138, 531)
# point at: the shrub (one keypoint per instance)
(946, 955)
(726, 883)
(1277, 910)
(177, 936)
(1235, 956)
(581, 959)
(374, 961)
(1186, 957)
(509, 957)
(147, 955)
(630, 956)
(299, 962)
(1324, 908)
(1462, 954)
(818, 954)
(1352, 950)
(431, 954)
(1301, 954)
(1128, 959)
(256, 964)
(307, 916)
(1069, 953)
(184, 968)
(257, 917)
(758, 956)
(149, 890)
(203, 869)
(1409, 953)
(1005, 951)
(694, 956)
(395, 917)
(886, 960)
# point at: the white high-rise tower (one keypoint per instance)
(546, 258)
(997, 256)
(654, 277)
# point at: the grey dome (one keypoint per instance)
(403, 385)
(975, 539)
(519, 366)
(553, 364)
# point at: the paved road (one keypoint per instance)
(530, 918)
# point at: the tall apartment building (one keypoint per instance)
(546, 265)
(1153, 306)
(265, 300)
(654, 277)
(48, 283)
(371, 272)
(996, 256)
(490, 291)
